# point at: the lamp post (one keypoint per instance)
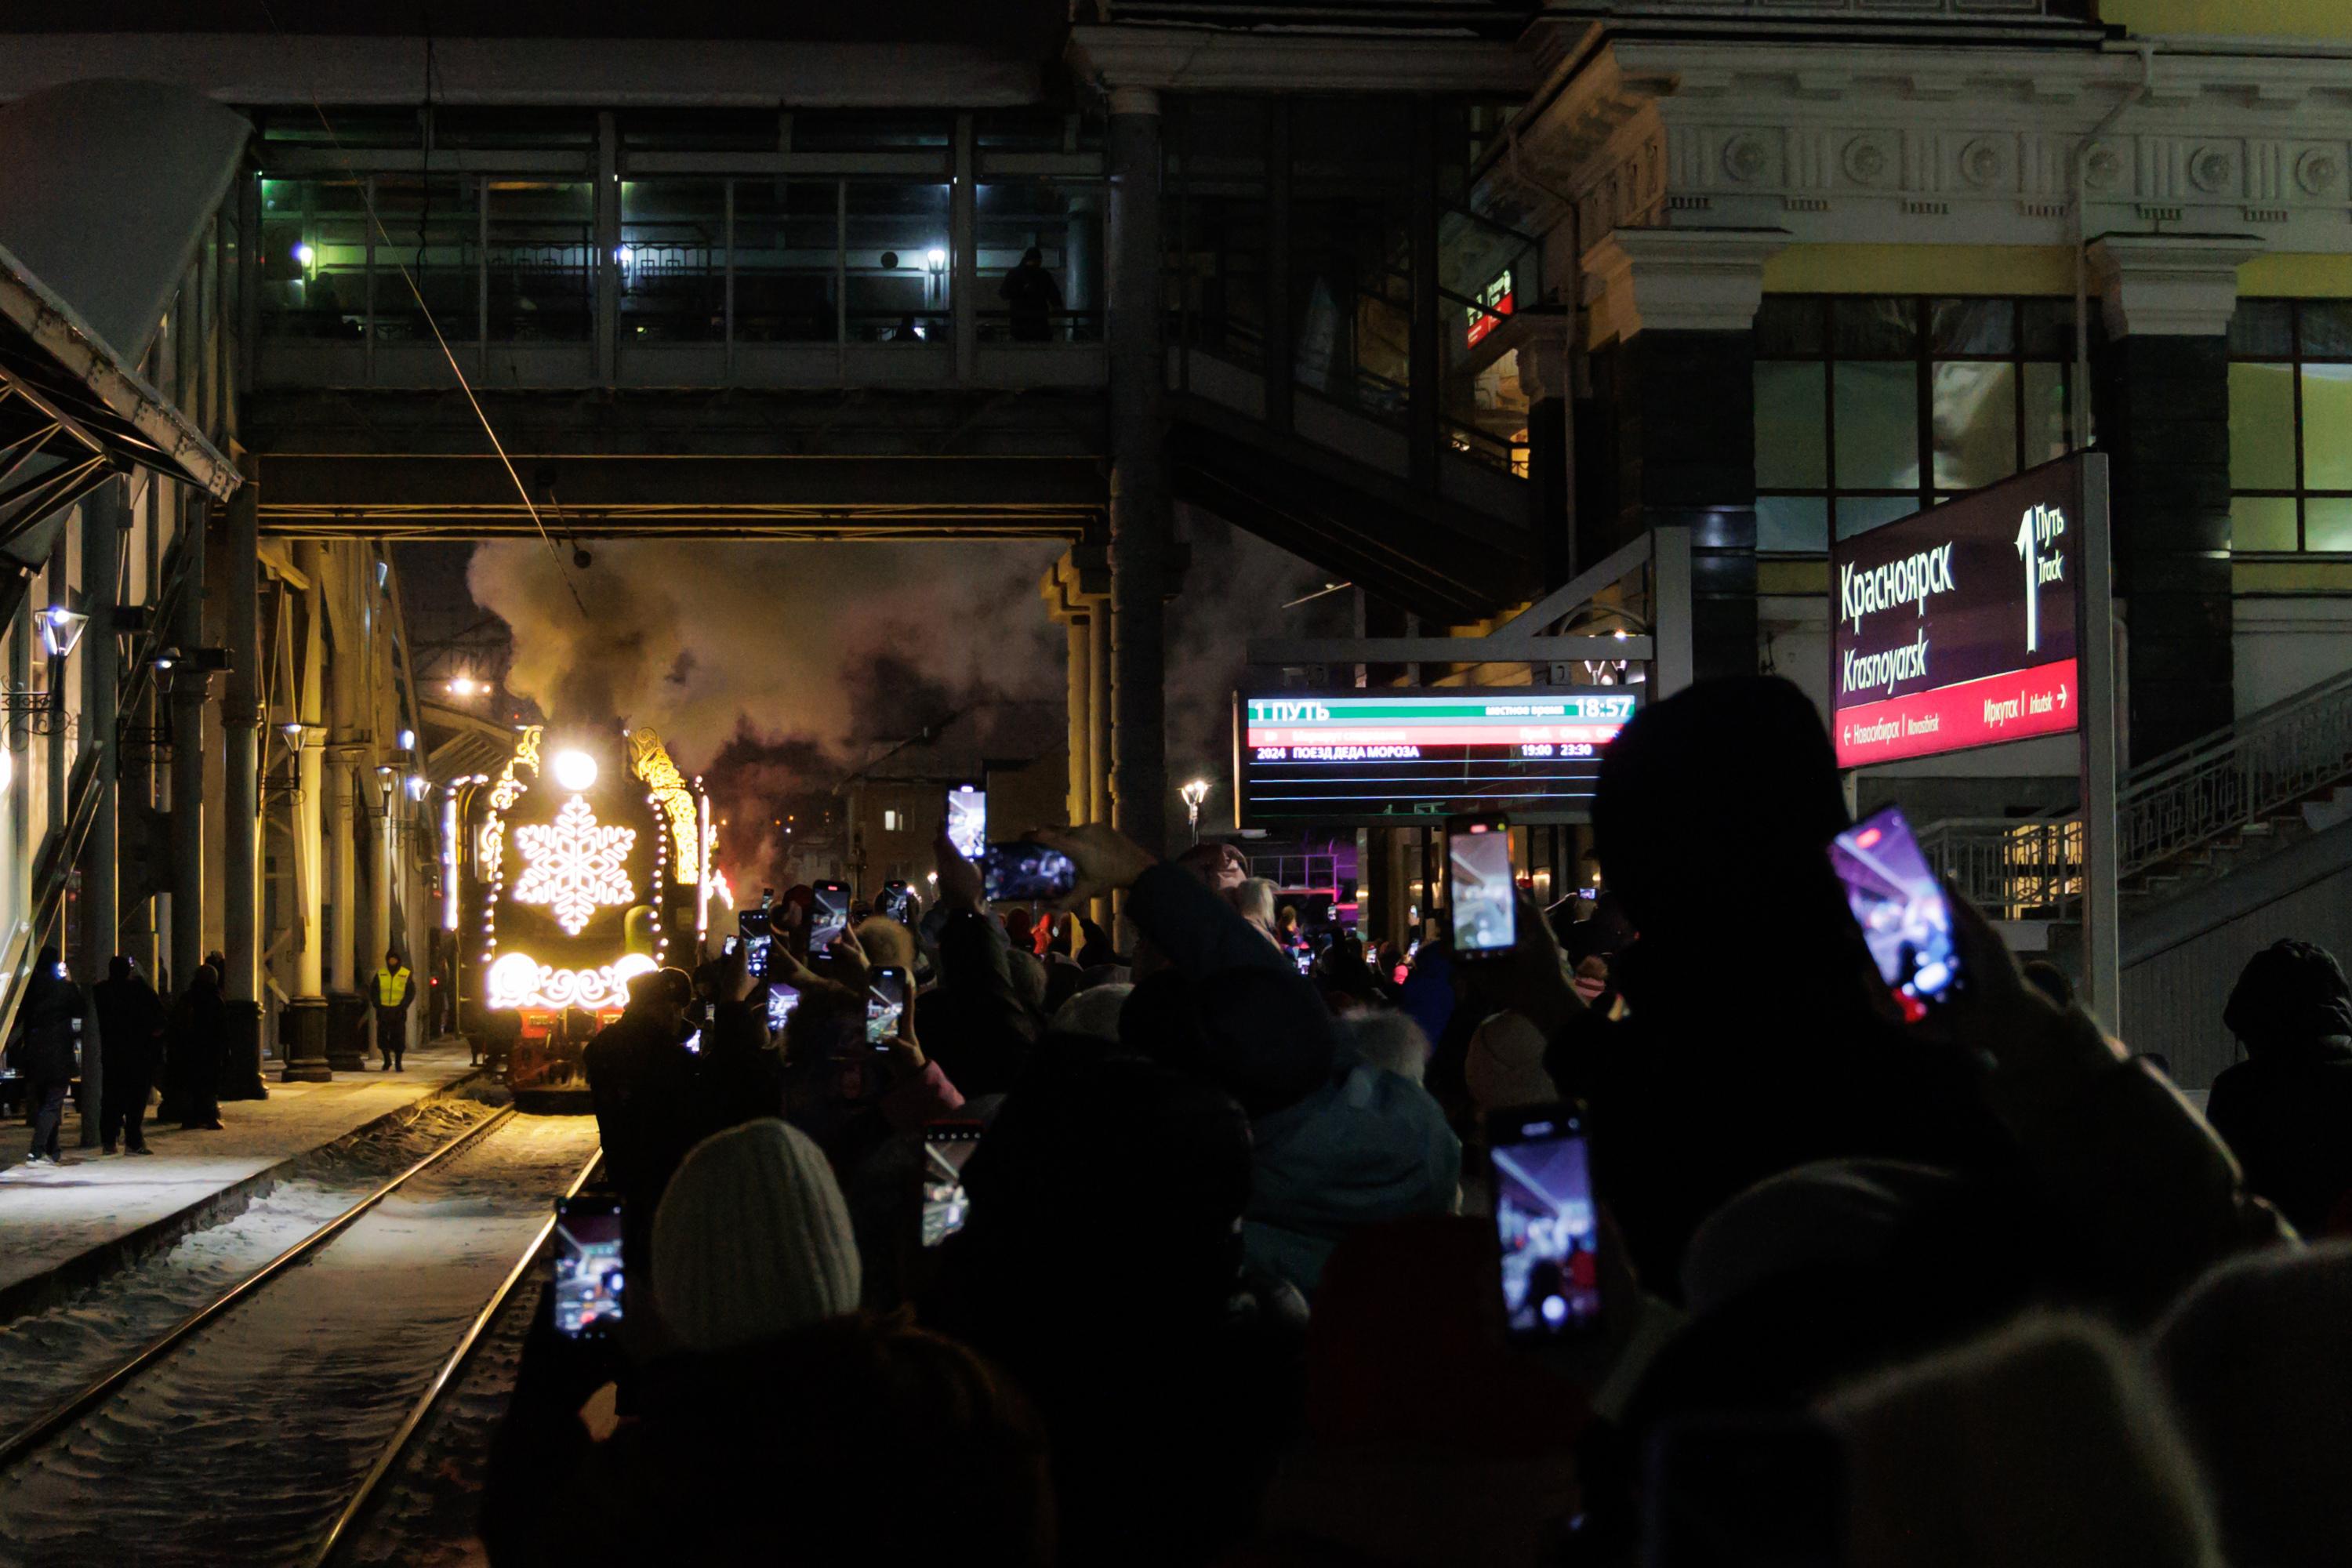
(1193, 795)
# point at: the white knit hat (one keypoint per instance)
(752, 1240)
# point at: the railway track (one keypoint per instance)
(295, 1455)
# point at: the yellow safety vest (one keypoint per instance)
(389, 986)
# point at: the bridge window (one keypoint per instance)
(432, 232)
(1871, 407)
(672, 261)
(313, 256)
(787, 238)
(898, 262)
(2291, 426)
(1063, 220)
(542, 260)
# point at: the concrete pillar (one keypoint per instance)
(305, 1021)
(1680, 305)
(241, 796)
(2162, 383)
(189, 689)
(102, 516)
(347, 1014)
(1140, 511)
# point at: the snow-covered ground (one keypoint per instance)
(241, 1445)
(48, 1214)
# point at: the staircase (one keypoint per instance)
(2277, 783)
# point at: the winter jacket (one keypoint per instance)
(130, 1027)
(50, 1020)
(2286, 1114)
(1368, 1146)
(649, 1106)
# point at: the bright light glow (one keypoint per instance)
(417, 785)
(625, 255)
(60, 629)
(575, 867)
(293, 731)
(574, 770)
(937, 257)
(720, 889)
(465, 686)
(519, 979)
(449, 861)
(304, 256)
(8, 777)
(408, 740)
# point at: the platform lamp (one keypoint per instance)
(1194, 795)
(61, 630)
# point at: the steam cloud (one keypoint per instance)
(771, 668)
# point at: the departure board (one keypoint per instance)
(1392, 755)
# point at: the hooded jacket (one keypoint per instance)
(52, 1006)
(2286, 1110)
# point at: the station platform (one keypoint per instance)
(56, 1219)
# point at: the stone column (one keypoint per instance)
(1140, 511)
(306, 1019)
(102, 517)
(241, 796)
(1680, 306)
(347, 1012)
(2162, 389)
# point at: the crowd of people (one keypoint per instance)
(1979, 1289)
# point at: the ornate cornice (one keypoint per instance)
(2169, 285)
(1677, 279)
(1202, 59)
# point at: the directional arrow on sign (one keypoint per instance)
(2061, 694)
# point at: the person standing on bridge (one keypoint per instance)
(393, 990)
(44, 1052)
(130, 1033)
(1031, 296)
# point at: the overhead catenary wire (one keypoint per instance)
(375, 222)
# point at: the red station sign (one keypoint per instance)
(1956, 626)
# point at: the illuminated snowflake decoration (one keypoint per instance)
(575, 867)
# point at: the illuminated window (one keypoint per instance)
(2291, 426)
(1871, 407)
(889, 821)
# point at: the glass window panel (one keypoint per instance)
(900, 268)
(1059, 299)
(1975, 424)
(786, 231)
(2261, 427)
(2262, 523)
(2326, 426)
(313, 276)
(673, 261)
(871, 130)
(2046, 413)
(2263, 328)
(542, 261)
(1860, 514)
(2327, 523)
(1791, 450)
(2326, 329)
(1792, 525)
(1878, 426)
(2047, 326)
(1789, 326)
(1872, 328)
(432, 229)
(1971, 327)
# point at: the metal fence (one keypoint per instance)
(2186, 800)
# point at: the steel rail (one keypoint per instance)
(70, 1409)
(396, 1447)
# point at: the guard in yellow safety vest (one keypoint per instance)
(394, 989)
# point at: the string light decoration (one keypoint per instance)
(649, 760)
(519, 979)
(573, 866)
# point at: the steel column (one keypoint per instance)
(1141, 507)
(241, 793)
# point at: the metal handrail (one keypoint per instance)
(2170, 805)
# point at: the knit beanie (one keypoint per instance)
(752, 1240)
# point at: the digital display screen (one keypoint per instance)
(1545, 1222)
(1381, 757)
(944, 1205)
(1905, 917)
(782, 1000)
(829, 917)
(885, 1003)
(587, 1267)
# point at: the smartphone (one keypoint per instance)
(1900, 905)
(895, 902)
(1020, 871)
(1480, 887)
(1545, 1220)
(946, 1146)
(588, 1265)
(782, 1000)
(829, 917)
(752, 926)
(885, 1003)
(968, 820)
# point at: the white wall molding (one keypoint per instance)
(1677, 279)
(2167, 285)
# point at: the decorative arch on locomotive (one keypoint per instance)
(588, 869)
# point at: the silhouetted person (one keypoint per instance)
(906, 332)
(642, 1081)
(49, 1022)
(2286, 1110)
(1032, 296)
(390, 993)
(130, 1032)
(193, 1035)
(2050, 980)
